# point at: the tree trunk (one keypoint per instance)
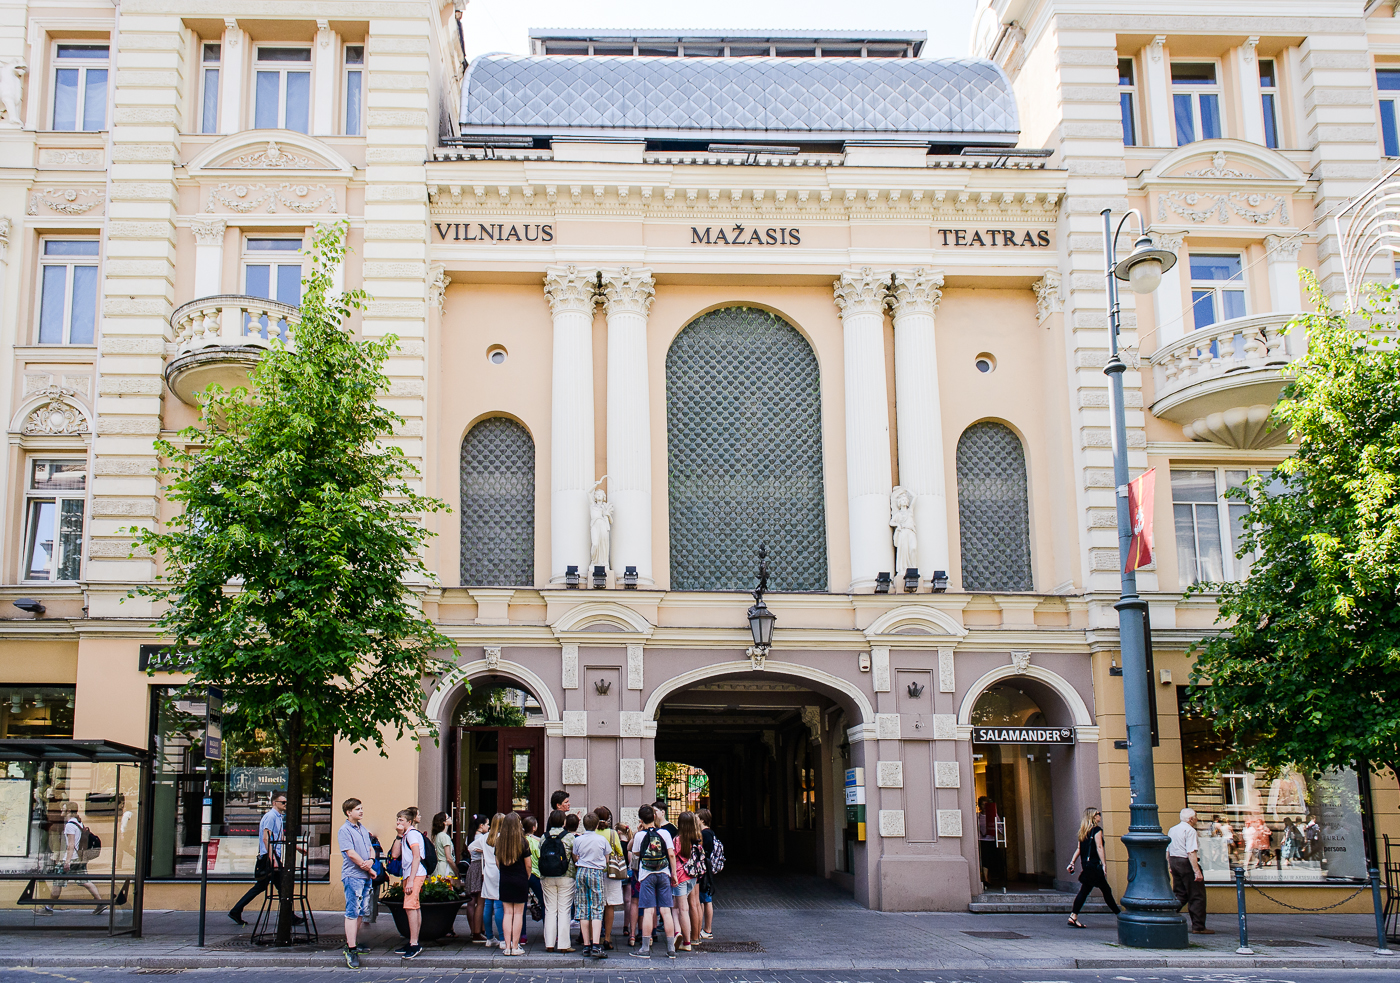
(292, 831)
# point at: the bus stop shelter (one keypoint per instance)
(72, 854)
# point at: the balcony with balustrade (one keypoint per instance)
(1221, 383)
(219, 339)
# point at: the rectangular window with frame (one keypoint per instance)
(1196, 101)
(272, 269)
(1388, 82)
(55, 496)
(1268, 95)
(1127, 98)
(68, 292)
(354, 89)
(282, 89)
(211, 59)
(80, 86)
(1217, 288)
(1209, 526)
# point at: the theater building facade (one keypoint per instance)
(671, 308)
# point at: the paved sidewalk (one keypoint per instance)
(774, 938)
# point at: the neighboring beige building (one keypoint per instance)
(802, 292)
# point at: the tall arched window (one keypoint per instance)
(993, 514)
(498, 505)
(744, 437)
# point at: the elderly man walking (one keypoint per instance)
(1188, 880)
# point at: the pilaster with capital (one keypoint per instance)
(208, 256)
(571, 296)
(860, 297)
(914, 298)
(1169, 299)
(627, 296)
(1285, 292)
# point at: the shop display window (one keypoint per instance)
(242, 785)
(1282, 826)
(36, 712)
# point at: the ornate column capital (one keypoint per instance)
(1048, 299)
(628, 291)
(860, 292)
(438, 281)
(1169, 241)
(916, 292)
(209, 232)
(5, 226)
(1282, 249)
(569, 290)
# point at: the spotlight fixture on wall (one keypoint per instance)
(629, 578)
(30, 605)
(600, 577)
(883, 584)
(911, 580)
(940, 581)
(571, 578)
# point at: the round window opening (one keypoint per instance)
(986, 362)
(496, 354)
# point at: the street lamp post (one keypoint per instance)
(760, 618)
(1151, 919)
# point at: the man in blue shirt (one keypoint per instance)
(269, 863)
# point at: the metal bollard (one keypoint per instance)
(1244, 949)
(1381, 949)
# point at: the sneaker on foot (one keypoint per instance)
(362, 948)
(414, 951)
(643, 953)
(401, 950)
(99, 909)
(352, 959)
(670, 952)
(707, 935)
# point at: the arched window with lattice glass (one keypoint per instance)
(498, 505)
(993, 510)
(744, 443)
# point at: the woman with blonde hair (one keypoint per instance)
(1091, 851)
(513, 859)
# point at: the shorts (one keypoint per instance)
(706, 897)
(655, 892)
(411, 887)
(588, 893)
(357, 894)
(682, 890)
(612, 893)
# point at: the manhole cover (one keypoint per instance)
(713, 946)
(1367, 940)
(1290, 944)
(996, 935)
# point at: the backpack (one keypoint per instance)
(653, 853)
(89, 846)
(716, 858)
(395, 865)
(554, 862)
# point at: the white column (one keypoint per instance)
(1157, 94)
(627, 297)
(208, 256)
(1285, 292)
(233, 58)
(1168, 305)
(323, 79)
(918, 415)
(571, 303)
(860, 297)
(1251, 103)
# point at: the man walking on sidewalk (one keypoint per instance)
(1188, 881)
(269, 862)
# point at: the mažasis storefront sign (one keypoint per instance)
(1022, 735)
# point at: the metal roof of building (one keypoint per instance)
(938, 100)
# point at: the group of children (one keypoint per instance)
(580, 868)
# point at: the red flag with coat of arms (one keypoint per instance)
(1140, 498)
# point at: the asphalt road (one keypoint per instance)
(616, 971)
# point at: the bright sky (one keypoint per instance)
(503, 25)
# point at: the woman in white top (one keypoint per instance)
(495, 912)
(476, 838)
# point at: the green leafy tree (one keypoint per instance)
(286, 575)
(1307, 671)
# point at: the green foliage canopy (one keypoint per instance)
(1307, 671)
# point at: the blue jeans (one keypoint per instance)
(495, 915)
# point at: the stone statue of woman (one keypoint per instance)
(906, 542)
(600, 525)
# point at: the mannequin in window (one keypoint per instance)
(906, 542)
(600, 525)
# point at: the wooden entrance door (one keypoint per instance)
(495, 769)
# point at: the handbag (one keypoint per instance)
(616, 865)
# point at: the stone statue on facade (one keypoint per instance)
(12, 72)
(600, 512)
(906, 541)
